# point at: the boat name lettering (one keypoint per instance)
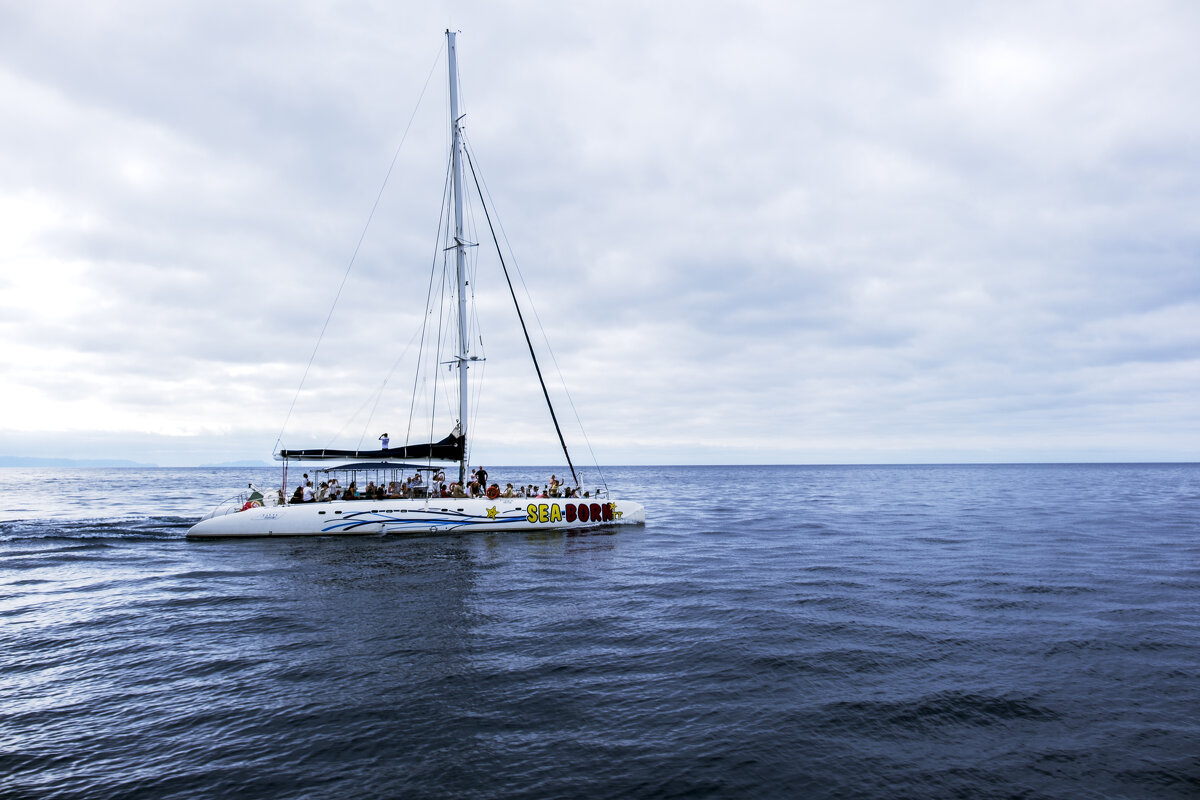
(571, 512)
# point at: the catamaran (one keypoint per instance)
(424, 504)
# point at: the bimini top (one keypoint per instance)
(368, 465)
(449, 449)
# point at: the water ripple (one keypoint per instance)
(871, 632)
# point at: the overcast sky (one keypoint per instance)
(759, 232)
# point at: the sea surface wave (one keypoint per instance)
(923, 631)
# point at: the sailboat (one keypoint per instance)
(423, 502)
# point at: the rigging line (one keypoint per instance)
(537, 367)
(546, 340)
(447, 314)
(442, 334)
(373, 394)
(354, 255)
(378, 393)
(437, 242)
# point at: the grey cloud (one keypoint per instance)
(865, 232)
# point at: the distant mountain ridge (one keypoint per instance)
(28, 461)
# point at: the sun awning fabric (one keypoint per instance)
(448, 449)
(378, 465)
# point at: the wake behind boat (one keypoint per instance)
(424, 501)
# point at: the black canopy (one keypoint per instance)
(448, 449)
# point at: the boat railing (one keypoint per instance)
(241, 502)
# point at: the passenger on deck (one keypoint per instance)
(307, 492)
(456, 490)
(351, 492)
(508, 491)
(298, 495)
(323, 492)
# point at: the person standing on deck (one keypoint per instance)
(383, 442)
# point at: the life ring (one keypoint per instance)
(493, 492)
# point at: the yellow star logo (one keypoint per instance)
(491, 512)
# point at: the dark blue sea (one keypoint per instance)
(1028, 631)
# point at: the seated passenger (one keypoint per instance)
(508, 491)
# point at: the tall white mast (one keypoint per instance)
(459, 253)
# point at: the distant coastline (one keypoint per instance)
(110, 463)
(26, 461)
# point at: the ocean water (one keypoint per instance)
(799, 632)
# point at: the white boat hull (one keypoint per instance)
(361, 517)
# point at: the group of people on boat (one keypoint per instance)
(333, 490)
(416, 487)
(555, 488)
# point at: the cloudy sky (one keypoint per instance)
(758, 232)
